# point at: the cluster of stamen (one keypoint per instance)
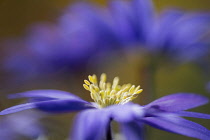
(106, 94)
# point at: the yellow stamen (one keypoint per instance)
(106, 94)
(87, 82)
(86, 87)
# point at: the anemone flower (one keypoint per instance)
(112, 103)
(85, 31)
(68, 45)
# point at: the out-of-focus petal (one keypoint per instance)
(193, 114)
(26, 124)
(63, 106)
(161, 30)
(179, 125)
(178, 102)
(123, 17)
(132, 130)
(97, 19)
(91, 125)
(47, 93)
(144, 15)
(175, 32)
(18, 108)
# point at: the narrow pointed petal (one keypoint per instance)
(193, 114)
(178, 102)
(52, 106)
(180, 126)
(91, 125)
(132, 130)
(58, 94)
(63, 106)
(18, 108)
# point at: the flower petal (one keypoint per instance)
(132, 130)
(52, 106)
(144, 15)
(97, 20)
(124, 19)
(47, 93)
(62, 106)
(91, 125)
(18, 108)
(163, 26)
(126, 113)
(180, 126)
(178, 102)
(193, 114)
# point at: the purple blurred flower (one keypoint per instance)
(87, 32)
(80, 34)
(26, 124)
(112, 103)
(180, 36)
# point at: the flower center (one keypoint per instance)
(106, 94)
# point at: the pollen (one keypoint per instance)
(106, 94)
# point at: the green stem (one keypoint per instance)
(149, 82)
(109, 133)
(151, 85)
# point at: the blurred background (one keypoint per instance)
(24, 59)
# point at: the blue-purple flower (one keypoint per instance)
(112, 103)
(80, 34)
(87, 32)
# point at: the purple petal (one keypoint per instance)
(164, 26)
(121, 12)
(178, 102)
(18, 108)
(97, 20)
(91, 125)
(132, 130)
(58, 94)
(180, 126)
(144, 15)
(193, 114)
(23, 123)
(52, 106)
(62, 106)
(126, 113)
